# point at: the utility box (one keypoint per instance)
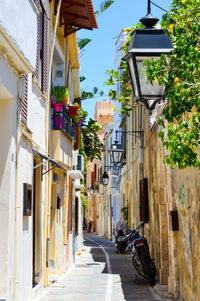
(27, 210)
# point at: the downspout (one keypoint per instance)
(141, 151)
(141, 145)
(17, 203)
(48, 148)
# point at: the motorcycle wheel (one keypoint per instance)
(137, 265)
(148, 267)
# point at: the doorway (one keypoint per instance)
(37, 225)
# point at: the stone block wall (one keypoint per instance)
(175, 252)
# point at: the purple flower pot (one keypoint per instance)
(55, 121)
(58, 107)
(60, 122)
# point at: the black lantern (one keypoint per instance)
(105, 178)
(116, 151)
(146, 44)
(91, 190)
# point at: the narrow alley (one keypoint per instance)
(99, 274)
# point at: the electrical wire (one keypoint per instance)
(158, 6)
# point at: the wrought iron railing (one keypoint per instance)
(62, 121)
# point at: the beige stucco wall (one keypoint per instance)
(61, 147)
(175, 253)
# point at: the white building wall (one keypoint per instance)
(8, 109)
(36, 114)
(19, 20)
(24, 224)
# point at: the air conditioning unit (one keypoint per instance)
(80, 163)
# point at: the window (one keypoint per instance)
(41, 68)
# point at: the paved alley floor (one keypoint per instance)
(100, 274)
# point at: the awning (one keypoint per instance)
(76, 14)
(75, 174)
(48, 159)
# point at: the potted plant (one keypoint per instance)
(80, 116)
(72, 110)
(60, 95)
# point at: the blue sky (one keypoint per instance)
(98, 54)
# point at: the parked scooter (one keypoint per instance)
(89, 227)
(141, 258)
(121, 242)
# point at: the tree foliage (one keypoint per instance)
(83, 42)
(180, 73)
(91, 94)
(120, 78)
(103, 6)
(91, 146)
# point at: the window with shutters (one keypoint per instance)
(41, 33)
(41, 69)
(24, 101)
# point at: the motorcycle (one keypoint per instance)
(120, 242)
(89, 227)
(141, 258)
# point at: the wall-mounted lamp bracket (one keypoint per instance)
(137, 134)
(111, 166)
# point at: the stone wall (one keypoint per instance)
(175, 252)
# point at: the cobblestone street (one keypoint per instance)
(99, 274)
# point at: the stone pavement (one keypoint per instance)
(100, 274)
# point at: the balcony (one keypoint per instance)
(63, 131)
(62, 121)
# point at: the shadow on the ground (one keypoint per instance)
(121, 265)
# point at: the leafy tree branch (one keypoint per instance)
(91, 146)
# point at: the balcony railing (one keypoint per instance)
(62, 121)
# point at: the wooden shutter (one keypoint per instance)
(45, 56)
(24, 103)
(92, 178)
(95, 172)
(36, 72)
(144, 206)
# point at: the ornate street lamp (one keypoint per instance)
(116, 152)
(146, 44)
(105, 178)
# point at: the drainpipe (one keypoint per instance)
(141, 151)
(74, 221)
(141, 145)
(17, 203)
(48, 148)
